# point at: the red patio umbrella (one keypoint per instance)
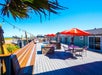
(75, 32)
(51, 35)
(63, 32)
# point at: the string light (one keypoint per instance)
(4, 20)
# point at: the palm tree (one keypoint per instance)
(1, 39)
(20, 8)
(14, 7)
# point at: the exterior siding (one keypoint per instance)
(65, 39)
(81, 41)
(77, 40)
(101, 43)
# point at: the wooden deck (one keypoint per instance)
(61, 63)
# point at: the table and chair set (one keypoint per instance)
(49, 48)
(75, 50)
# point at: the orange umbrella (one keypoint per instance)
(75, 32)
(51, 35)
(63, 32)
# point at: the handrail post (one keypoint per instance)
(8, 65)
(7, 60)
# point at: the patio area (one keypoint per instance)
(62, 63)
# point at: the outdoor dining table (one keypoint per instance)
(74, 48)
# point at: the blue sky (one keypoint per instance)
(82, 14)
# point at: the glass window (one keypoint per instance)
(97, 46)
(81, 37)
(94, 43)
(97, 40)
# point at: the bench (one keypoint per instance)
(22, 61)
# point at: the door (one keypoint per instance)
(94, 42)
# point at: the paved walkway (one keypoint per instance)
(62, 63)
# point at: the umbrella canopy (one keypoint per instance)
(51, 35)
(75, 32)
(64, 32)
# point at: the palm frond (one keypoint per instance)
(20, 8)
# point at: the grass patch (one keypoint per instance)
(8, 38)
(11, 47)
(0, 51)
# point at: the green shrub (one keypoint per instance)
(12, 48)
(0, 51)
(17, 47)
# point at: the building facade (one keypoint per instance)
(94, 41)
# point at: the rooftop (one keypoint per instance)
(97, 31)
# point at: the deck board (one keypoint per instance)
(62, 63)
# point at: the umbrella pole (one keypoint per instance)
(72, 40)
(84, 41)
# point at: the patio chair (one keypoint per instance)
(85, 50)
(78, 51)
(81, 51)
(66, 49)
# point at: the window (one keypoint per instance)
(94, 43)
(81, 37)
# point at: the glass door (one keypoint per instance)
(94, 42)
(97, 43)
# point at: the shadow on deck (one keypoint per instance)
(39, 52)
(26, 70)
(94, 68)
(59, 55)
(17, 70)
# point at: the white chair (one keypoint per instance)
(81, 51)
(66, 49)
(85, 50)
(78, 51)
